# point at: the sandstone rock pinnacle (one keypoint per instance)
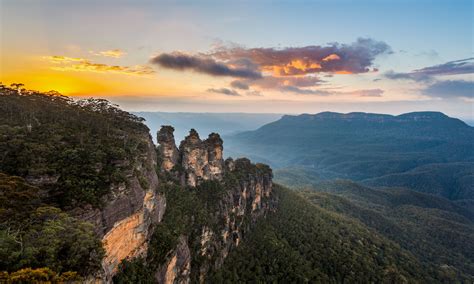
(167, 148)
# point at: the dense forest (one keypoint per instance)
(306, 242)
(434, 229)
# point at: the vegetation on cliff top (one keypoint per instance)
(57, 154)
(74, 149)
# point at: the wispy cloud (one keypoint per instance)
(115, 53)
(463, 66)
(457, 67)
(254, 93)
(418, 77)
(239, 85)
(224, 91)
(316, 92)
(62, 59)
(81, 64)
(368, 93)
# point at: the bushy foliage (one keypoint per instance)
(39, 275)
(35, 235)
(134, 271)
(74, 149)
(17, 199)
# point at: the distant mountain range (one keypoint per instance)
(424, 151)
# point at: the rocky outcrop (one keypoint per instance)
(215, 152)
(133, 208)
(193, 158)
(167, 148)
(198, 160)
(246, 197)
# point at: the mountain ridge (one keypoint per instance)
(363, 146)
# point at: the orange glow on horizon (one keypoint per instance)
(79, 77)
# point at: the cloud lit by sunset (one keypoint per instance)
(183, 57)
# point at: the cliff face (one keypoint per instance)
(246, 196)
(131, 209)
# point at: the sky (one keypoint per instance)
(246, 56)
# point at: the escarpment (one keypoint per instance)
(130, 210)
(92, 195)
(91, 163)
(227, 198)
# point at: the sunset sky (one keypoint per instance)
(246, 56)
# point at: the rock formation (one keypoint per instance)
(133, 209)
(167, 148)
(247, 197)
(199, 160)
(193, 158)
(215, 149)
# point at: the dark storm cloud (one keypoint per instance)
(450, 89)
(224, 91)
(179, 61)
